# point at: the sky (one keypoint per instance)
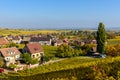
(59, 14)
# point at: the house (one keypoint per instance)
(17, 39)
(3, 41)
(79, 42)
(65, 41)
(10, 55)
(9, 37)
(93, 42)
(87, 41)
(41, 40)
(35, 50)
(25, 40)
(92, 51)
(57, 43)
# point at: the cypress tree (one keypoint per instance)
(101, 38)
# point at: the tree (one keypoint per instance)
(1, 62)
(65, 51)
(11, 44)
(101, 38)
(26, 58)
(78, 52)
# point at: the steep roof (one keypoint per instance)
(6, 52)
(3, 41)
(34, 48)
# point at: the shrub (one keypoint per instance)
(34, 61)
(65, 51)
(1, 62)
(12, 66)
(26, 58)
(113, 50)
(46, 58)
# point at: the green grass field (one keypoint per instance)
(50, 51)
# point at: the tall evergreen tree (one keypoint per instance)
(101, 38)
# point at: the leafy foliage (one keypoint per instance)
(101, 38)
(87, 47)
(113, 50)
(46, 58)
(65, 51)
(78, 52)
(11, 44)
(1, 62)
(12, 66)
(26, 57)
(34, 61)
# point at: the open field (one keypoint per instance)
(50, 51)
(5, 32)
(114, 41)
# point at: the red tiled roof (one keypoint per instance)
(7, 51)
(35, 47)
(3, 41)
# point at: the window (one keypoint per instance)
(33, 56)
(17, 56)
(37, 55)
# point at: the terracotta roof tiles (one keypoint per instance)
(9, 51)
(3, 41)
(35, 47)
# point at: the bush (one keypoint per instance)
(65, 51)
(78, 52)
(45, 58)
(113, 50)
(87, 47)
(34, 61)
(12, 66)
(1, 62)
(26, 58)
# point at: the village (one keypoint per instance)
(59, 40)
(16, 58)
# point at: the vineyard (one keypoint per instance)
(114, 41)
(5, 32)
(78, 68)
(50, 51)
